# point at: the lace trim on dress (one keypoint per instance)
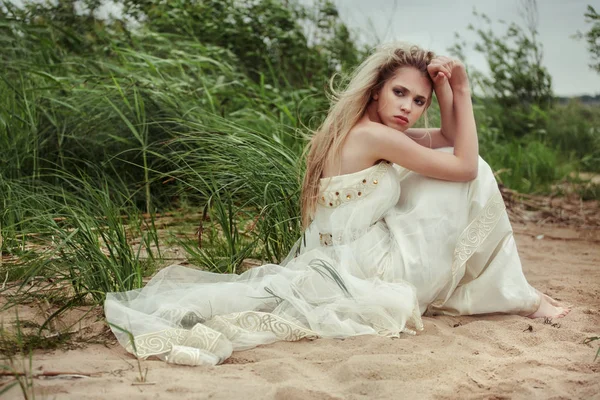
(209, 343)
(473, 236)
(161, 342)
(477, 231)
(256, 321)
(365, 186)
(203, 343)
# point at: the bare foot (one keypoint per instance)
(549, 308)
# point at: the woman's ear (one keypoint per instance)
(375, 96)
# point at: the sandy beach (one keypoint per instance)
(468, 357)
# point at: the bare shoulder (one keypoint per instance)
(366, 133)
(365, 128)
(376, 137)
(355, 152)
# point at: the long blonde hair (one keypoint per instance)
(348, 106)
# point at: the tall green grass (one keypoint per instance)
(92, 142)
(233, 166)
(87, 240)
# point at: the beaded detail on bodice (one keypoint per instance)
(351, 204)
(362, 188)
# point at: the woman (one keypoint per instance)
(374, 257)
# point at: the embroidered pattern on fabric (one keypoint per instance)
(185, 355)
(328, 239)
(471, 238)
(477, 231)
(197, 346)
(337, 197)
(155, 343)
(255, 321)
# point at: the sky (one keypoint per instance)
(432, 24)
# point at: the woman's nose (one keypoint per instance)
(405, 107)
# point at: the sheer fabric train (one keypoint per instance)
(373, 261)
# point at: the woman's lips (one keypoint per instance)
(400, 119)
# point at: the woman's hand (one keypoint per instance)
(440, 69)
(443, 68)
(451, 85)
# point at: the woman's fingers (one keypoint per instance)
(438, 70)
(442, 63)
(447, 71)
(446, 65)
(434, 69)
(439, 78)
(441, 68)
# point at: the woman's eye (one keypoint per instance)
(419, 102)
(398, 92)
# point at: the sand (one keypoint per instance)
(474, 357)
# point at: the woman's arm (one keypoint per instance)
(400, 149)
(385, 143)
(440, 70)
(432, 138)
(439, 137)
(463, 130)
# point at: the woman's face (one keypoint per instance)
(403, 98)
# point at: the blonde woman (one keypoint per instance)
(399, 222)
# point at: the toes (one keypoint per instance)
(550, 308)
(563, 313)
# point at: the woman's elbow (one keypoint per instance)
(469, 174)
(472, 172)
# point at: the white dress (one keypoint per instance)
(373, 261)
